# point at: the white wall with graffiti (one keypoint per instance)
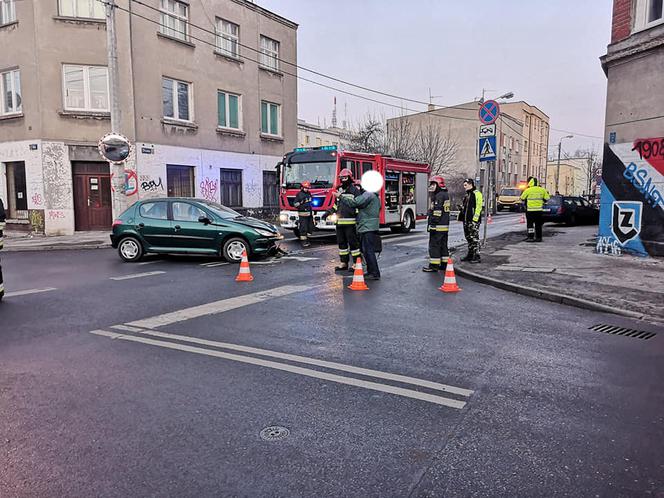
(152, 161)
(46, 163)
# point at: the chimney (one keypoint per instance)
(431, 107)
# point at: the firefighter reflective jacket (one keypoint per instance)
(535, 196)
(346, 214)
(472, 206)
(439, 212)
(303, 203)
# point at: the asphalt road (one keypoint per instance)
(157, 379)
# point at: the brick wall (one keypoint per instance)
(622, 20)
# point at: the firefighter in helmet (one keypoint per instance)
(305, 223)
(347, 239)
(438, 224)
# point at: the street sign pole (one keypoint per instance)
(488, 150)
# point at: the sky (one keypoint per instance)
(546, 52)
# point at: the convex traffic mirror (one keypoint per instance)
(114, 148)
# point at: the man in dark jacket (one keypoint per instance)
(305, 214)
(368, 223)
(471, 215)
(349, 244)
(438, 224)
(3, 217)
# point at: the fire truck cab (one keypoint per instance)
(404, 196)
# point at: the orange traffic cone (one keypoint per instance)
(449, 284)
(358, 277)
(244, 275)
(523, 218)
(489, 220)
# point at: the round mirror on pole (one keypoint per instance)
(114, 148)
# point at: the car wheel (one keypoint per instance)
(233, 248)
(130, 249)
(408, 222)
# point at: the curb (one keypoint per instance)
(552, 296)
(56, 248)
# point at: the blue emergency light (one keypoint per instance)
(317, 201)
(324, 147)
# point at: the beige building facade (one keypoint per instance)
(210, 111)
(522, 139)
(572, 178)
(311, 135)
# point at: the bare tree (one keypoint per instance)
(592, 170)
(437, 147)
(370, 136)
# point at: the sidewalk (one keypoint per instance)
(19, 241)
(566, 269)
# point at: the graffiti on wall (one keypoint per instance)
(57, 175)
(36, 217)
(150, 185)
(37, 199)
(209, 189)
(632, 198)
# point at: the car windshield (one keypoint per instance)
(223, 211)
(511, 191)
(320, 174)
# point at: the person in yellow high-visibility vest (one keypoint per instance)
(534, 197)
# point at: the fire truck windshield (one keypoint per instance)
(320, 174)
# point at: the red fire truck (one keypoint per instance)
(404, 196)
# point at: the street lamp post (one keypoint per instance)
(558, 167)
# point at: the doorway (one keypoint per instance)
(92, 196)
(17, 195)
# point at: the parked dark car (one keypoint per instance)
(571, 210)
(194, 226)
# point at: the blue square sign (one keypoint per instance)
(487, 148)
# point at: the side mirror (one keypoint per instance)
(204, 219)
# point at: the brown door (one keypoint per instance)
(92, 196)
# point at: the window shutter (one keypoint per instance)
(234, 111)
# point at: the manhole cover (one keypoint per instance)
(274, 433)
(625, 332)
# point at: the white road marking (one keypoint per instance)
(303, 359)
(29, 291)
(149, 262)
(126, 328)
(219, 306)
(408, 393)
(215, 263)
(138, 275)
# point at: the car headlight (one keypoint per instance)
(283, 217)
(333, 217)
(265, 233)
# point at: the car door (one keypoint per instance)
(153, 225)
(188, 232)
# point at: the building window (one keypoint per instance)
(306, 140)
(229, 110)
(174, 19)
(269, 53)
(82, 8)
(7, 11)
(176, 97)
(10, 92)
(86, 88)
(655, 8)
(270, 118)
(179, 181)
(270, 189)
(228, 38)
(230, 187)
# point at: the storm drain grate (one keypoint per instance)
(274, 433)
(625, 332)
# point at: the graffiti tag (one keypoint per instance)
(650, 148)
(37, 200)
(641, 179)
(209, 189)
(608, 245)
(151, 185)
(56, 215)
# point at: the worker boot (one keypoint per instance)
(476, 259)
(341, 267)
(431, 268)
(468, 256)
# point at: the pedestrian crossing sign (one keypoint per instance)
(487, 148)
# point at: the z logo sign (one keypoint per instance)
(626, 220)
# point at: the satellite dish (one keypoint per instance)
(114, 148)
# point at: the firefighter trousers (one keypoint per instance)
(349, 243)
(438, 252)
(305, 226)
(534, 220)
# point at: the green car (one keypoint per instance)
(176, 225)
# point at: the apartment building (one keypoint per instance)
(206, 94)
(522, 136)
(632, 193)
(311, 135)
(571, 177)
